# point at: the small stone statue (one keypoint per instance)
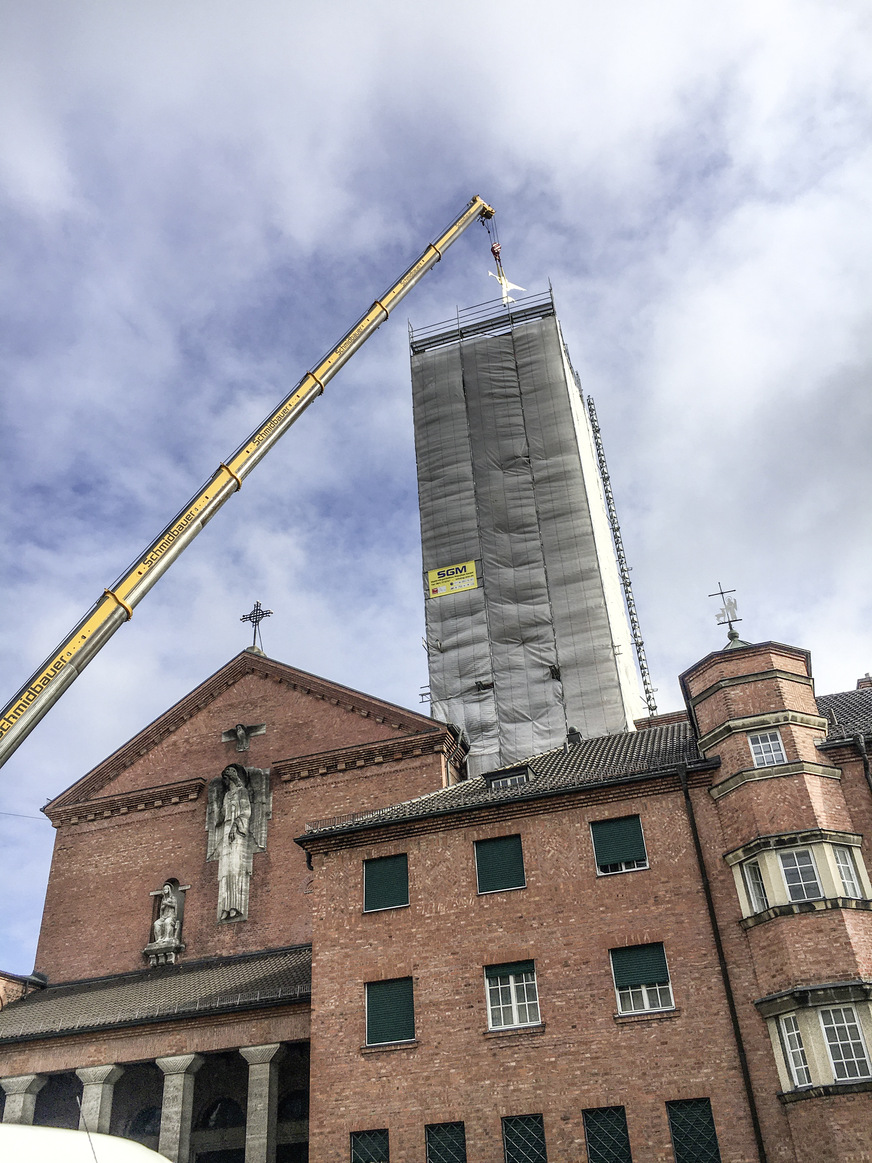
(166, 942)
(236, 818)
(167, 925)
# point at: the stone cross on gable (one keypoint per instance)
(242, 734)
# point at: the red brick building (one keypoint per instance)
(281, 923)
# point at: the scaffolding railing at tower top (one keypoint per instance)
(491, 318)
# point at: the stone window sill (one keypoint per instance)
(861, 1087)
(646, 1016)
(386, 1047)
(506, 1031)
(794, 908)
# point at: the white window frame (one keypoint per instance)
(763, 748)
(515, 993)
(843, 855)
(794, 1051)
(509, 781)
(755, 889)
(848, 1017)
(651, 998)
(811, 863)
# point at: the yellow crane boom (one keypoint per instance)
(117, 603)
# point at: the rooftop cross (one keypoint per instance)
(257, 615)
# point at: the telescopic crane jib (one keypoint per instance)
(116, 605)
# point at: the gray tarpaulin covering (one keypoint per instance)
(507, 477)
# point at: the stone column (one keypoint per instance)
(263, 1086)
(21, 1091)
(98, 1085)
(178, 1103)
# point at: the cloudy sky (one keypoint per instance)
(198, 197)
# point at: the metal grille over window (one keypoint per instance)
(800, 875)
(845, 1044)
(619, 845)
(641, 978)
(511, 995)
(524, 1139)
(446, 1143)
(847, 870)
(385, 883)
(499, 864)
(390, 1011)
(754, 886)
(605, 1130)
(794, 1051)
(692, 1126)
(766, 749)
(370, 1147)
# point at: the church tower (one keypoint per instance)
(527, 631)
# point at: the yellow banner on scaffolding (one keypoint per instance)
(451, 579)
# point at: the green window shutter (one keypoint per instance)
(605, 1130)
(385, 882)
(370, 1147)
(640, 965)
(499, 864)
(510, 967)
(524, 1139)
(390, 1011)
(615, 841)
(446, 1143)
(694, 1139)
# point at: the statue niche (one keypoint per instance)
(166, 943)
(238, 808)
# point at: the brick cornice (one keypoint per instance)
(104, 807)
(776, 771)
(438, 742)
(243, 664)
(760, 722)
(741, 679)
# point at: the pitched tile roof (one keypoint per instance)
(249, 981)
(847, 713)
(610, 758)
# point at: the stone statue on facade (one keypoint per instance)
(236, 819)
(166, 930)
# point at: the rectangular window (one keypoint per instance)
(385, 883)
(794, 1051)
(512, 999)
(767, 749)
(845, 1044)
(847, 870)
(754, 886)
(370, 1147)
(524, 1139)
(390, 1011)
(692, 1127)
(499, 864)
(800, 875)
(641, 978)
(605, 1131)
(510, 780)
(619, 845)
(446, 1143)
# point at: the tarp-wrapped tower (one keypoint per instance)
(527, 631)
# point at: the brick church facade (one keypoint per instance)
(281, 924)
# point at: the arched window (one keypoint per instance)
(222, 1113)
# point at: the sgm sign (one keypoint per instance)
(451, 579)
